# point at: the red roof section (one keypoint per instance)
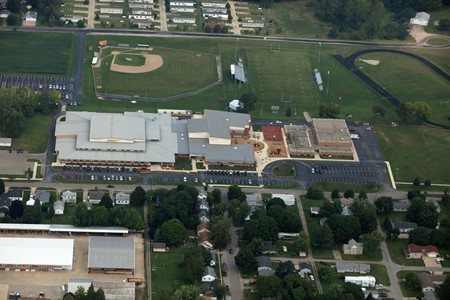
(413, 248)
(272, 133)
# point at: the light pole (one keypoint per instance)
(328, 83)
(132, 102)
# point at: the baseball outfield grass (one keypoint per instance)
(37, 53)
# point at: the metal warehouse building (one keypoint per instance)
(34, 254)
(111, 255)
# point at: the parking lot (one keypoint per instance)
(210, 177)
(94, 173)
(42, 83)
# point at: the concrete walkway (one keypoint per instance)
(91, 14)
(234, 22)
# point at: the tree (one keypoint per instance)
(344, 228)
(2, 186)
(173, 232)
(14, 20)
(423, 213)
(419, 236)
(220, 291)
(284, 268)
(354, 290)
(245, 260)
(90, 295)
(414, 112)
(217, 194)
(412, 281)
(81, 215)
(372, 242)
(99, 294)
(349, 194)
(416, 181)
(220, 232)
(330, 208)
(32, 214)
(235, 192)
(13, 6)
(335, 194)
(315, 194)
(300, 242)
(238, 211)
(138, 197)
(268, 286)
(194, 263)
(440, 237)
(384, 205)
(325, 272)
(81, 24)
(217, 210)
(323, 237)
(80, 293)
(265, 228)
(187, 292)
(275, 201)
(444, 24)
(16, 209)
(427, 182)
(99, 216)
(248, 100)
(443, 290)
(379, 111)
(330, 110)
(366, 214)
(106, 201)
(288, 112)
(362, 195)
(257, 246)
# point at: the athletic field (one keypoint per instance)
(37, 53)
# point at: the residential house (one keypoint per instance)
(204, 236)
(305, 268)
(402, 226)
(254, 202)
(264, 266)
(401, 206)
(15, 193)
(31, 16)
(365, 281)
(353, 248)
(203, 205)
(201, 196)
(350, 267)
(42, 196)
(209, 275)
(203, 227)
(421, 19)
(430, 282)
(69, 197)
(95, 196)
(288, 199)
(58, 207)
(315, 211)
(4, 13)
(203, 216)
(413, 251)
(159, 247)
(346, 202)
(375, 294)
(122, 198)
(269, 248)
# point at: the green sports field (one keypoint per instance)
(37, 53)
(181, 72)
(410, 80)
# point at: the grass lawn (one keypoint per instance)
(284, 170)
(166, 274)
(411, 81)
(436, 16)
(329, 187)
(182, 71)
(437, 41)
(373, 256)
(34, 137)
(183, 163)
(426, 148)
(396, 250)
(405, 290)
(66, 218)
(129, 60)
(37, 53)
(251, 294)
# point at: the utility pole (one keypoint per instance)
(328, 83)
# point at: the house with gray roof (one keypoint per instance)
(58, 207)
(429, 282)
(353, 248)
(203, 216)
(350, 267)
(403, 226)
(111, 254)
(203, 204)
(122, 198)
(315, 211)
(209, 275)
(95, 196)
(42, 196)
(69, 197)
(401, 206)
(264, 266)
(15, 193)
(305, 268)
(269, 248)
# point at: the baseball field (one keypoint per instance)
(37, 53)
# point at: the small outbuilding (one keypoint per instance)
(421, 19)
(235, 105)
(159, 247)
(288, 199)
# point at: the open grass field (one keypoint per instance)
(410, 80)
(34, 137)
(166, 275)
(436, 16)
(37, 53)
(417, 151)
(181, 72)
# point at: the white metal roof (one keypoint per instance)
(36, 251)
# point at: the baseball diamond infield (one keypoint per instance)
(152, 62)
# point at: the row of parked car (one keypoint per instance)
(100, 169)
(230, 173)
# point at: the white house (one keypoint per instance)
(421, 18)
(182, 3)
(305, 268)
(58, 207)
(288, 199)
(209, 275)
(182, 9)
(31, 16)
(122, 198)
(4, 13)
(235, 104)
(201, 196)
(110, 10)
(353, 248)
(69, 197)
(367, 281)
(183, 20)
(159, 247)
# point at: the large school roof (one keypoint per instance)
(36, 251)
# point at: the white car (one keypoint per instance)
(184, 179)
(278, 122)
(312, 170)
